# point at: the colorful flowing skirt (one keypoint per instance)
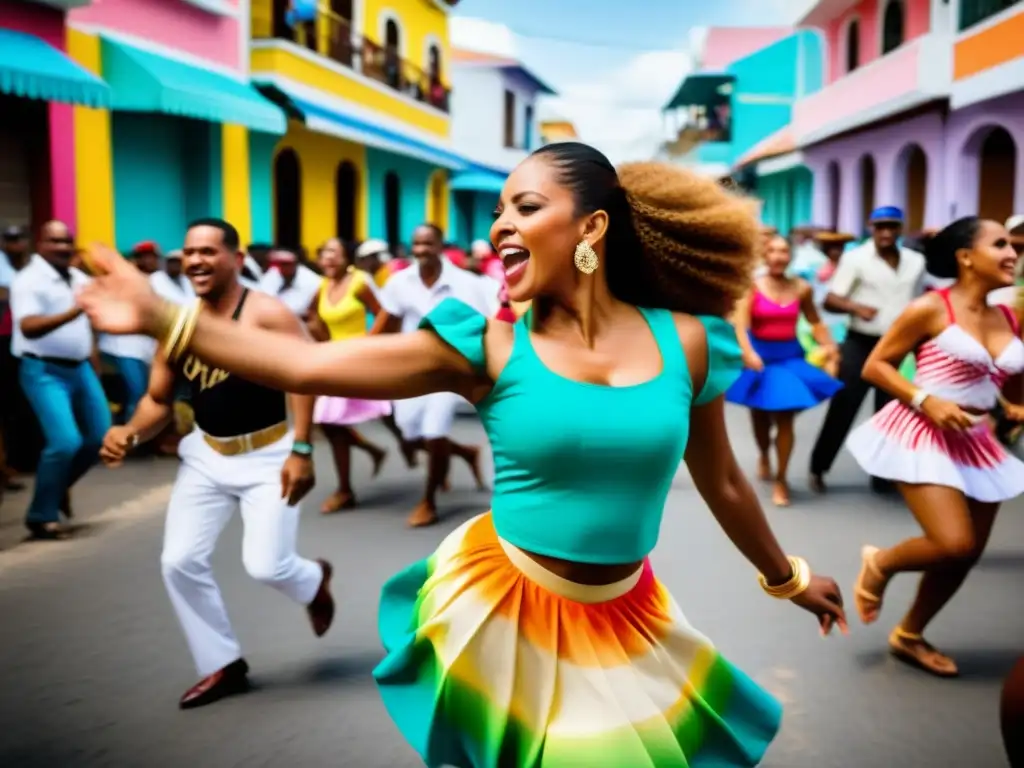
(347, 411)
(495, 662)
(787, 382)
(900, 444)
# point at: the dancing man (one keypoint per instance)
(426, 421)
(233, 460)
(872, 284)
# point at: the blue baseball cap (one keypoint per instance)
(886, 214)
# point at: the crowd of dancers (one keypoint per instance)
(595, 335)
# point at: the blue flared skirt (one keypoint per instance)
(787, 383)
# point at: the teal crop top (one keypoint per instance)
(581, 470)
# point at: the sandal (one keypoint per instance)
(914, 650)
(863, 598)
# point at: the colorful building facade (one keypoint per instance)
(184, 125)
(495, 126)
(765, 84)
(39, 88)
(365, 86)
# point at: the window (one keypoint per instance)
(892, 26)
(528, 127)
(975, 11)
(852, 45)
(510, 119)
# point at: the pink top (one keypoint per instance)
(770, 321)
(956, 367)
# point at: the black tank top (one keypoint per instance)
(226, 405)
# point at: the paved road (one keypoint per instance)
(93, 661)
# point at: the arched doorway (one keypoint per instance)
(912, 181)
(346, 190)
(853, 45)
(834, 181)
(393, 209)
(392, 54)
(892, 26)
(340, 33)
(866, 171)
(287, 199)
(997, 175)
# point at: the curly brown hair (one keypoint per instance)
(676, 240)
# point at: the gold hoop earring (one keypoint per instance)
(585, 258)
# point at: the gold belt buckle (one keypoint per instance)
(247, 444)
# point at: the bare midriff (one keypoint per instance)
(589, 574)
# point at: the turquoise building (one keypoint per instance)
(729, 114)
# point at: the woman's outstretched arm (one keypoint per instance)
(385, 367)
(121, 301)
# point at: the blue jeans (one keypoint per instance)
(135, 375)
(73, 412)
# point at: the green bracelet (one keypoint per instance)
(302, 448)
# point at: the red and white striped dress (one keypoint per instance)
(900, 444)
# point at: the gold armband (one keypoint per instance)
(179, 325)
(796, 585)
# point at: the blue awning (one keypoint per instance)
(146, 82)
(478, 180)
(34, 69)
(324, 120)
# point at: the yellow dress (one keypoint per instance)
(346, 319)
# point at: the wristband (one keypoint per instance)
(918, 399)
(302, 448)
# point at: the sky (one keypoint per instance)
(613, 63)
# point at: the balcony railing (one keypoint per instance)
(332, 36)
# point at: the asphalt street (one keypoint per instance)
(93, 661)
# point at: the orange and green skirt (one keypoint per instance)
(495, 662)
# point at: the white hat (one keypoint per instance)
(1015, 222)
(376, 248)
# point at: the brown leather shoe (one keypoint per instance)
(321, 609)
(232, 679)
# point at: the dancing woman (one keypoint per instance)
(536, 636)
(778, 382)
(339, 311)
(934, 441)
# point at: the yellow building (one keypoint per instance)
(365, 86)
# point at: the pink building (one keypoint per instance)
(921, 110)
(39, 84)
(177, 138)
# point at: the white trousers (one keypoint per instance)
(208, 490)
(427, 417)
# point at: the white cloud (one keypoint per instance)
(619, 112)
(482, 36)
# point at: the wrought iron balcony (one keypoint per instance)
(332, 36)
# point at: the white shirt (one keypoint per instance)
(297, 296)
(39, 289)
(866, 278)
(253, 266)
(405, 296)
(179, 291)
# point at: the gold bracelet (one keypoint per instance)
(172, 337)
(188, 330)
(796, 585)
